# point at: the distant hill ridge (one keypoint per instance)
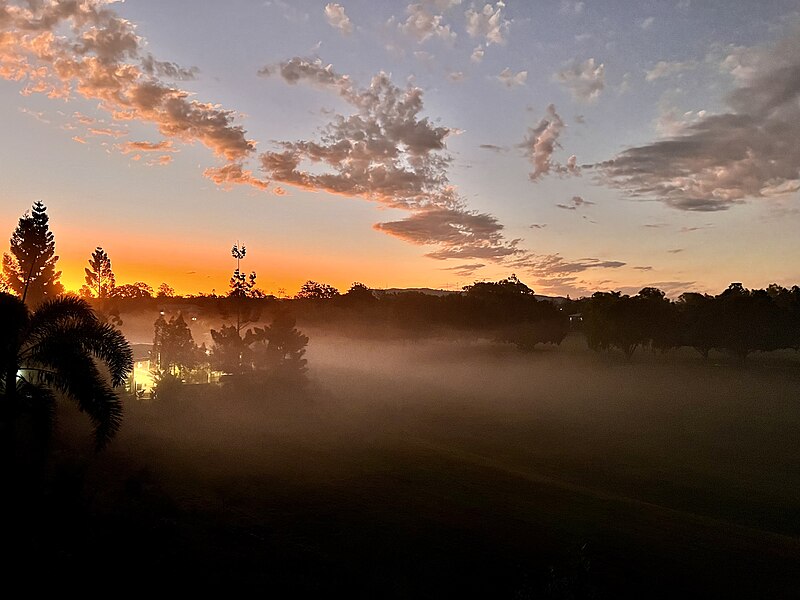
(435, 292)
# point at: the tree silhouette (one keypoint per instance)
(173, 346)
(229, 353)
(311, 290)
(30, 269)
(279, 348)
(132, 290)
(100, 278)
(54, 349)
(165, 291)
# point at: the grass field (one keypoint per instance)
(448, 469)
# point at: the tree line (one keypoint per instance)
(737, 321)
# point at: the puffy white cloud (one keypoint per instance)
(422, 24)
(338, 19)
(488, 23)
(540, 144)
(718, 161)
(84, 48)
(510, 79)
(585, 80)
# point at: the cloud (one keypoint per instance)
(162, 146)
(422, 24)
(477, 54)
(337, 18)
(559, 270)
(676, 250)
(387, 153)
(648, 268)
(585, 80)
(538, 225)
(540, 144)
(665, 68)
(382, 152)
(464, 270)
(235, 174)
(509, 79)
(695, 228)
(671, 123)
(169, 70)
(83, 48)
(492, 147)
(456, 76)
(38, 115)
(460, 230)
(719, 161)
(575, 203)
(647, 23)
(488, 23)
(107, 131)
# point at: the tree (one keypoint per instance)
(242, 285)
(165, 291)
(359, 292)
(229, 353)
(132, 290)
(173, 346)
(279, 347)
(100, 278)
(511, 286)
(55, 348)
(311, 290)
(30, 269)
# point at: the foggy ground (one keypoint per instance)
(448, 468)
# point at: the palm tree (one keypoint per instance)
(60, 348)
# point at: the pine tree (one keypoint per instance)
(100, 278)
(30, 269)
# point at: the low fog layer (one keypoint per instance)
(529, 454)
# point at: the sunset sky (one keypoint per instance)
(581, 145)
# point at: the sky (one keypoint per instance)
(582, 145)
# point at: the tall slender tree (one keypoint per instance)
(30, 269)
(100, 278)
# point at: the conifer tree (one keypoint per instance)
(30, 269)
(100, 278)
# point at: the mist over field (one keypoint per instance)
(445, 467)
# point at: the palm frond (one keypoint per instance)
(71, 324)
(64, 366)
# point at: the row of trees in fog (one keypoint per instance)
(737, 321)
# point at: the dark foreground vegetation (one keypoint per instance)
(441, 469)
